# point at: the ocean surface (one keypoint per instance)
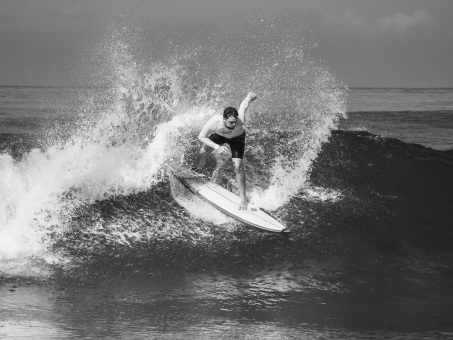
(97, 242)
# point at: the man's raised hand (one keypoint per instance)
(251, 96)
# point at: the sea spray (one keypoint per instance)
(118, 151)
(311, 113)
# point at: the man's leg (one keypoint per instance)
(240, 178)
(204, 152)
(219, 161)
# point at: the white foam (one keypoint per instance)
(113, 152)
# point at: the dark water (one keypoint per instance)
(373, 262)
(96, 242)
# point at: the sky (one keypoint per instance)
(367, 43)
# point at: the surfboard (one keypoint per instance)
(227, 202)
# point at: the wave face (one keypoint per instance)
(397, 194)
(366, 197)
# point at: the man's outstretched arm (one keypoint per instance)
(245, 104)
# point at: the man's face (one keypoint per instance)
(230, 122)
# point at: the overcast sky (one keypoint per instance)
(375, 43)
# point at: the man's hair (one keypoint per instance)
(230, 112)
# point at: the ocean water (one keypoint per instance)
(96, 242)
(420, 116)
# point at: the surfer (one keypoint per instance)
(227, 129)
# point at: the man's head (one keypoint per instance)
(230, 116)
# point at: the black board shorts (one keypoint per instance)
(237, 144)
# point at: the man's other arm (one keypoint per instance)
(245, 104)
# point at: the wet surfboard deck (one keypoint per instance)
(227, 202)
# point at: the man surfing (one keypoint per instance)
(228, 129)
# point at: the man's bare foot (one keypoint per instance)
(243, 205)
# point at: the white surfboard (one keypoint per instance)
(228, 203)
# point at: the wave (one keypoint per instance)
(401, 191)
(379, 196)
(367, 197)
(98, 181)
